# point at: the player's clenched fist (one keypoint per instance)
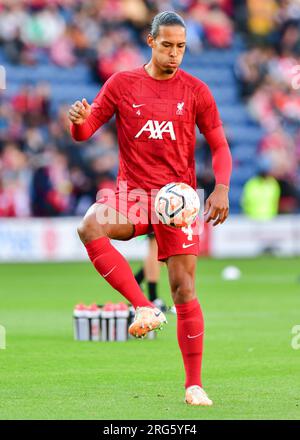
(79, 111)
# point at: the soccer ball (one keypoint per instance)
(177, 204)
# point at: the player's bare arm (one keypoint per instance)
(79, 112)
(217, 205)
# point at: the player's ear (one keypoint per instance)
(150, 40)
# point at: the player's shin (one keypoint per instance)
(190, 329)
(116, 270)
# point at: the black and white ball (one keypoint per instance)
(177, 204)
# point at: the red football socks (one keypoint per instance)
(116, 271)
(190, 329)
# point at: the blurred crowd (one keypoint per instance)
(44, 173)
(108, 34)
(269, 78)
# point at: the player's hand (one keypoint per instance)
(217, 205)
(79, 111)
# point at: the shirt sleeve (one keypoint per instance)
(221, 155)
(207, 114)
(102, 109)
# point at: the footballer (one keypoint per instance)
(157, 108)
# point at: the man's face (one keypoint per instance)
(168, 47)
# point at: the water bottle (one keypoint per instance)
(81, 323)
(108, 322)
(122, 314)
(94, 315)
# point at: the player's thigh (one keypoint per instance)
(102, 220)
(175, 241)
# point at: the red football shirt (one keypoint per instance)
(156, 122)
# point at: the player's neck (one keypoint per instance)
(156, 73)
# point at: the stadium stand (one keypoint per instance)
(72, 188)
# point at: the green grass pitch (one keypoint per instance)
(250, 369)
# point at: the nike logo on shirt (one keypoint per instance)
(137, 105)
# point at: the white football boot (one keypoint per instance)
(146, 319)
(195, 395)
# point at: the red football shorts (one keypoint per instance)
(138, 208)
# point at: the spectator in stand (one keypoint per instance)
(15, 177)
(251, 69)
(33, 103)
(62, 52)
(266, 81)
(12, 19)
(51, 186)
(83, 190)
(116, 53)
(278, 148)
(218, 27)
(43, 27)
(261, 23)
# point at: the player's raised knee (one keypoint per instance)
(82, 232)
(89, 229)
